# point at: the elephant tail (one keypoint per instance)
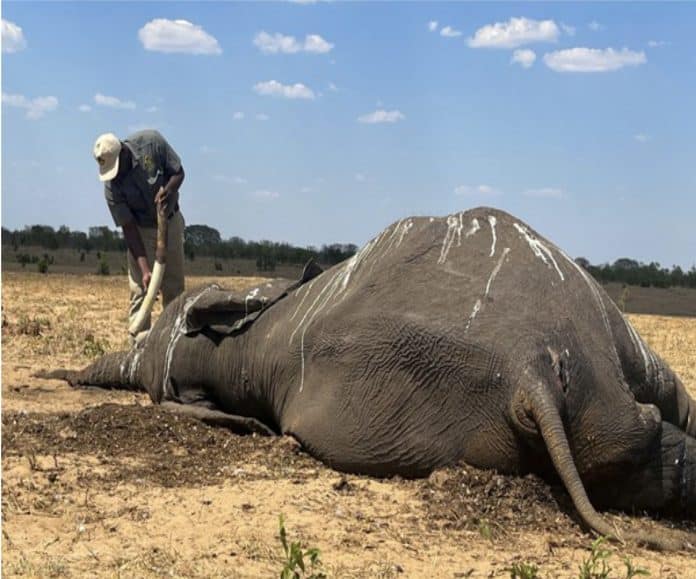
(543, 409)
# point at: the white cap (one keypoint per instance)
(106, 151)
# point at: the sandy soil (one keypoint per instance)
(103, 484)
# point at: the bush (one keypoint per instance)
(42, 265)
(103, 267)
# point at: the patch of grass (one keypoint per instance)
(633, 571)
(30, 326)
(296, 557)
(51, 567)
(596, 566)
(484, 529)
(524, 571)
(94, 347)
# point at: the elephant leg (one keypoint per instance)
(213, 417)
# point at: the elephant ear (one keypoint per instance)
(220, 311)
(226, 312)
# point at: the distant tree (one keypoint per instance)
(24, 259)
(201, 236)
(103, 267)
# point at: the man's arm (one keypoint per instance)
(169, 194)
(137, 249)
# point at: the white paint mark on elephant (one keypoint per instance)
(178, 331)
(539, 249)
(331, 287)
(135, 363)
(474, 228)
(495, 271)
(453, 228)
(455, 225)
(476, 310)
(304, 297)
(492, 221)
(639, 347)
(250, 296)
(325, 293)
(404, 230)
(397, 235)
(479, 302)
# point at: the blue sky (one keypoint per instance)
(324, 122)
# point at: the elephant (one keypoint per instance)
(468, 338)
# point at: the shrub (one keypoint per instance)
(294, 565)
(103, 267)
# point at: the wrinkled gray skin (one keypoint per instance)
(464, 338)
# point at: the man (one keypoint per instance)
(138, 174)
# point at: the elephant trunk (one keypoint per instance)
(117, 370)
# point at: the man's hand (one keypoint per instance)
(146, 279)
(162, 199)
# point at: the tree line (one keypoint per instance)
(631, 272)
(199, 240)
(202, 240)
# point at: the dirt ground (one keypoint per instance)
(103, 484)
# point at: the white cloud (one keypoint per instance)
(113, 102)
(476, 190)
(288, 91)
(177, 36)
(229, 180)
(266, 195)
(515, 32)
(152, 109)
(449, 32)
(262, 117)
(333, 87)
(273, 44)
(657, 43)
(432, 25)
(316, 44)
(582, 59)
(238, 116)
(12, 37)
(360, 177)
(84, 108)
(381, 116)
(524, 57)
(641, 138)
(595, 26)
(546, 193)
(35, 108)
(283, 44)
(568, 29)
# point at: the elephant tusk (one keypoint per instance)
(157, 274)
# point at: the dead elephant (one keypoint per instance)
(464, 338)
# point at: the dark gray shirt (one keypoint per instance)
(131, 197)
